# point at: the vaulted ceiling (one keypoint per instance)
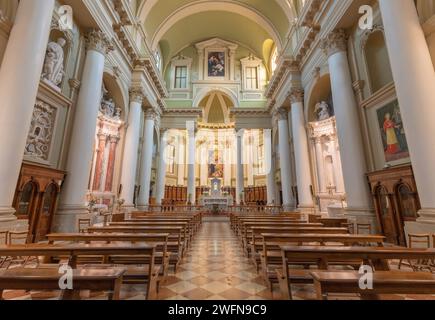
(173, 25)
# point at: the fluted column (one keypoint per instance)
(108, 185)
(348, 125)
(271, 170)
(85, 121)
(131, 148)
(240, 177)
(320, 164)
(302, 156)
(19, 80)
(284, 153)
(414, 78)
(146, 160)
(161, 168)
(191, 149)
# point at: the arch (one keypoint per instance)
(207, 91)
(115, 87)
(203, 6)
(320, 89)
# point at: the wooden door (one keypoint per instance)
(42, 224)
(387, 215)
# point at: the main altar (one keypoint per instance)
(215, 200)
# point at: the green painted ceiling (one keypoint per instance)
(206, 25)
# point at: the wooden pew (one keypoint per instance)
(186, 235)
(161, 256)
(332, 222)
(74, 251)
(48, 279)
(271, 257)
(175, 243)
(324, 256)
(384, 282)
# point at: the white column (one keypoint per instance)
(146, 160)
(240, 176)
(348, 124)
(414, 78)
(284, 153)
(131, 148)
(320, 164)
(80, 153)
(19, 80)
(191, 148)
(181, 164)
(302, 157)
(161, 168)
(270, 169)
(228, 162)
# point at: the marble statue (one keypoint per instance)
(322, 110)
(53, 70)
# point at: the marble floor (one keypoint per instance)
(214, 268)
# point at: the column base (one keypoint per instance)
(9, 222)
(66, 218)
(363, 216)
(291, 207)
(307, 209)
(144, 207)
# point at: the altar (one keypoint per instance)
(216, 200)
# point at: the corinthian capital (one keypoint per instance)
(296, 95)
(281, 114)
(98, 41)
(150, 114)
(137, 94)
(336, 41)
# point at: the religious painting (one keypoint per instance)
(392, 132)
(215, 165)
(216, 64)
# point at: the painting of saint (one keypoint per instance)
(216, 64)
(215, 166)
(393, 133)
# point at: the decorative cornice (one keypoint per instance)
(152, 70)
(296, 95)
(281, 114)
(283, 67)
(97, 40)
(334, 42)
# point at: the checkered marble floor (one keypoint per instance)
(215, 268)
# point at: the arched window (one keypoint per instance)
(25, 203)
(274, 60)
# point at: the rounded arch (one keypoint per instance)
(207, 91)
(116, 89)
(319, 90)
(203, 6)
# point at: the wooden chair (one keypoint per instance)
(18, 237)
(350, 226)
(83, 225)
(362, 228)
(418, 241)
(3, 240)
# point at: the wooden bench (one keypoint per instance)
(384, 282)
(149, 272)
(271, 258)
(48, 279)
(175, 244)
(324, 256)
(161, 256)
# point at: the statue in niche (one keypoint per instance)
(108, 107)
(322, 111)
(53, 70)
